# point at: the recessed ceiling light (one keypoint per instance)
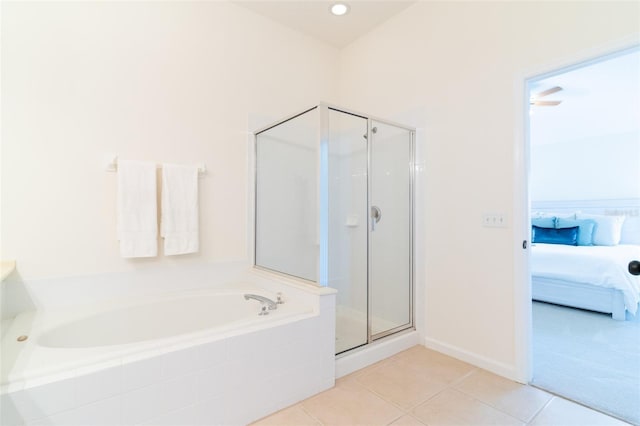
(340, 9)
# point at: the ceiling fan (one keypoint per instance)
(535, 99)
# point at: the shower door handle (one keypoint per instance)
(376, 214)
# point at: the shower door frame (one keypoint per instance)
(322, 278)
(411, 325)
(324, 108)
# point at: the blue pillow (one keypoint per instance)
(544, 222)
(585, 231)
(567, 236)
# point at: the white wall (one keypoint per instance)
(602, 167)
(452, 69)
(160, 81)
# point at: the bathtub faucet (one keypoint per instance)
(264, 300)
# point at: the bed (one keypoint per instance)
(587, 277)
(593, 277)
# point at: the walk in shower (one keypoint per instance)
(334, 206)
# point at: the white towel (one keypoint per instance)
(137, 209)
(179, 218)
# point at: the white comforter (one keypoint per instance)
(605, 266)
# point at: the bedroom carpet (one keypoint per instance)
(589, 358)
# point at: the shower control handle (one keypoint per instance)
(376, 215)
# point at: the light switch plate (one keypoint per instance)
(494, 220)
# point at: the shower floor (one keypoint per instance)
(351, 327)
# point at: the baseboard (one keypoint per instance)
(377, 351)
(499, 368)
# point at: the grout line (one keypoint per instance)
(416, 419)
(402, 414)
(464, 377)
(541, 410)
(488, 404)
(317, 420)
(403, 409)
(500, 409)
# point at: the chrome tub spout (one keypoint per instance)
(264, 300)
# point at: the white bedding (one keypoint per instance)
(605, 266)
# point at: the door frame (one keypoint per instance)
(411, 264)
(522, 204)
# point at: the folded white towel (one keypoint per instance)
(179, 218)
(137, 209)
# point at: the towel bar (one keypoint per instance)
(111, 165)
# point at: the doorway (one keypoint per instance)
(583, 140)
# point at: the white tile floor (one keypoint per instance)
(423, 387)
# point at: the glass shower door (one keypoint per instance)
(390, 223)
(347, 225)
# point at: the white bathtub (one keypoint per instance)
(180, 314)
(194, 357)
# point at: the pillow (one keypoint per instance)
(631, 230)
(544, 222)
(568, 236)
(585, 229)
(608, 229)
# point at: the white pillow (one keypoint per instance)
(608, 229)
(631, 230)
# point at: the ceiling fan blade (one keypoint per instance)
(546, 103)
(548, 92)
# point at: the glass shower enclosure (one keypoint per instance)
(334, 207)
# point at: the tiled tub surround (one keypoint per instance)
(216, 374)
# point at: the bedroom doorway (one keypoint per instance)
(583, 143)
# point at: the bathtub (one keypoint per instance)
(201, 356)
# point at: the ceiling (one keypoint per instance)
(597, 100)
(313, 17)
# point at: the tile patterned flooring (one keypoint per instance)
(422, 387)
